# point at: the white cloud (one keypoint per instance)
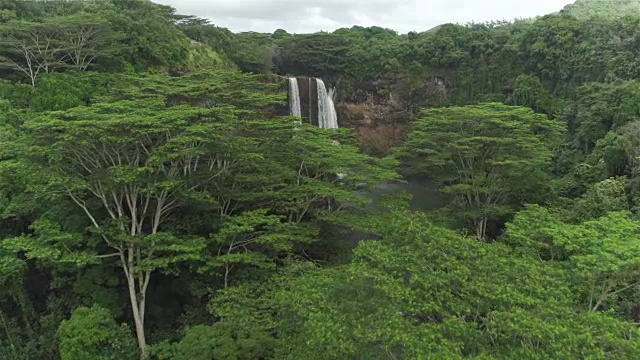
(301, 16)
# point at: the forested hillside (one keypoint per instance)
(158, 201)
(585, 9)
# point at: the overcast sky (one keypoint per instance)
(303, 16)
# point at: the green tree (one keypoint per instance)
(178, 174)
(587, 9)
(93, 334)
(86, 39)
(39, 11)
(135, 168)
(150, 38)
(221, 341)
(320, 54)
(599, 255)
(422, 291)
(488, 157)
(7, 10)
(529, 92)
(31, 49)
(604, 197)
(600, 108)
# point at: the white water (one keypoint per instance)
(294, 98)
(332, 107)
(327, 117)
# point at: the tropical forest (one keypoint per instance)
(174, 190)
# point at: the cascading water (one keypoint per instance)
(332, 107)
(327, 117)
(294, 98)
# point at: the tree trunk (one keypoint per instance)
(137, 308)
(480, 227)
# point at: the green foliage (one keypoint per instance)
(75, 42)
(601, 107)
(99, 285)
(188, 206)
(7, 15)
(246, 330)
(93, 334)
(222, 341)
(248, 51)
(530, 92)
(48, 36)
(32, 340)
(423, 290)
(121, 173)
(587, 9)
(10, 266)
(606, 196)
(41, 10)
(600, 255)
(203, 57)
(487, 157)
(150, 38)
(321, 55)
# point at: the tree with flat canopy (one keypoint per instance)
(125, 178)
(421, 291)
(488, 158)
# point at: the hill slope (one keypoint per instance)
(603, 8)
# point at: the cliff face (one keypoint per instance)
(308, 99)
(378, 109)
(395, 100)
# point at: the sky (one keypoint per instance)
(305, 16)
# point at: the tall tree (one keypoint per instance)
(30, 48)
(92, 334)
(600, 255)
(85, 39)
(139, 171)
(422, 291)
(487, 157)
(127, 167)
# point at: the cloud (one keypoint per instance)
(301, 16)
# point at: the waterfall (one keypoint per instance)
(332, 107)
(327, 117)
(294, 98)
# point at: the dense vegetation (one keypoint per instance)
(156, 199)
